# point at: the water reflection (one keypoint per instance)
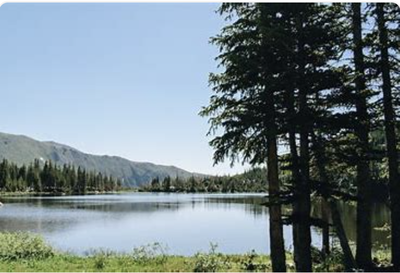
(185, 222)
(380, 218)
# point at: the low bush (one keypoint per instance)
(332, 262)
(20, 245)
(251, 262)
(155, 253)
(211, 261)
(100, 258)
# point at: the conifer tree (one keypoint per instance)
(362, 130)
(33, 179)
(166, 184)
(387, 71)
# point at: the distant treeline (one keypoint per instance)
(255, 180)
(50, 178)
(249, 181)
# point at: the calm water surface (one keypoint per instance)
(185, 223)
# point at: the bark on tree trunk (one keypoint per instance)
(301, 227)
(364, 245)
(301, 240)
(390, 130)
(302, 202)
(350, 262)
(325, 228)
(277, 245)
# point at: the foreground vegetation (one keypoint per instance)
(23, 252)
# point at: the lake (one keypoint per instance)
(185, 223)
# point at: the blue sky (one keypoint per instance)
(117, 79)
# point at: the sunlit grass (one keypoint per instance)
(26, 252)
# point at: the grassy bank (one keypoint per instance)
(23, 252)
(118, 263)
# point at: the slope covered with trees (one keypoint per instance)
(24, 150)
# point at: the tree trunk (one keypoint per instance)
(302, 202)
(390, 130)
(364, 245)
(301, 228)
(325, 227)
(349, 260)
(277, 245)
(301, 210)
(301, 242)
(278, 258)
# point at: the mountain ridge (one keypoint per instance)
(22, 149)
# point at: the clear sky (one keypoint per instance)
(116, 79)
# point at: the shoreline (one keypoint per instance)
(133, 190)
(30, 252)
(55, 194)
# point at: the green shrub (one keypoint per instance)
(100, 262)
(211, 261)
(252, 262)
(100, 257)
(20, 245)
(332, 262)
(155, 253)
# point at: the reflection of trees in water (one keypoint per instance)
(61, 213)
(106, 205)
(380, 215)
(52, 215)
(254, 200)
(250, 204)
(37, 225)
(348, 212)
(134, 207)
(17, 217)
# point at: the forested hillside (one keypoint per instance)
(24, 150)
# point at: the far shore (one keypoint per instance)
(29, 193)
